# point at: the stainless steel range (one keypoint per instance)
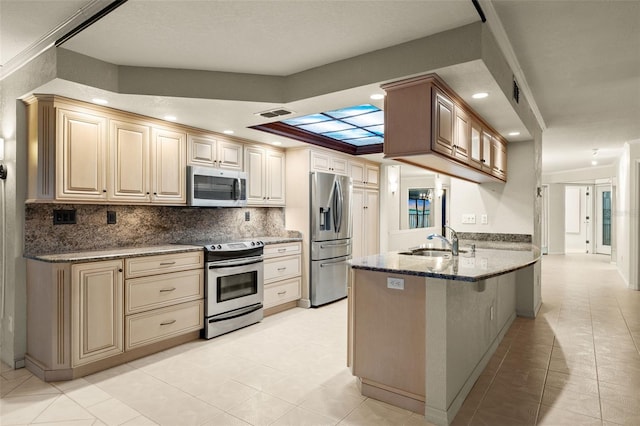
(233, 286)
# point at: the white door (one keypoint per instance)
(603, 219)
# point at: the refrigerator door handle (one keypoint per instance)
(342, 244)
(338, 200)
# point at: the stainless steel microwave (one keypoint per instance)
(209, 187)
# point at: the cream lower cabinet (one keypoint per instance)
(85, 317)
(282, 276)
(96, 311)
(366, 218)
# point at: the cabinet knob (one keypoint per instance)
(104, 190)
(147, 192)
(120, 270)
(483, 160)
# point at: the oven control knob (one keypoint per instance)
(219, 246)
(253, 243)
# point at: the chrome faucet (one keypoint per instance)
(453, 243)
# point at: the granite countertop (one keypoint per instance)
(118, 253)
(484, 263)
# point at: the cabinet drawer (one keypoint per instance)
(157, 291)
(275, 250)
(282, 292)
(153, 326)
(149, 265)
(282, 267)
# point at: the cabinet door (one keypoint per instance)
(320, 162)
(97, 320)
(372, 175)
(443, 124)
(255, 163)
(475, 149)
(499, 155)
(81, 156)
(168, 166)
(358, 232)
(357, 172)
(129, 161)
(229, 155)
(339, 166)
(462, 135)
(487, 159)
(201, 150)
(275, 169)
(371, 223)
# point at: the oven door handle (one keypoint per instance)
(234, 262)
(235, 314)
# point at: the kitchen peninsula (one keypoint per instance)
(423, 324)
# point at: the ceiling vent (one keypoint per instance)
(274, 113)
(516, 91)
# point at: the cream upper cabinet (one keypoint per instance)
(266, 176)
(81, 156)
(499, 156)
(129, 161)
(325, 162)
(97, 318)
(364, 174)
(168, 166)
(366, 218)
(462, 135)
(475, 146)
(443, 124)
(204, 150)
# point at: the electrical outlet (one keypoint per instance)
(484, 219)
(491, 313)
(469, 218)
(395, 283)
(247, 216)
(64, 217)
(111, 217)
(10, 324)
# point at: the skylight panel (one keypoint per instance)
(369, 119)
(307, 119)
(351, 111)
(326, 126)
(373, 140)
(378, 130)
(348, 134)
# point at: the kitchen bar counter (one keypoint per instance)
(423, 328)
(468, 266)
(120, 253)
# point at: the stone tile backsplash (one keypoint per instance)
(143, 226)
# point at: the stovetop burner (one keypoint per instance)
(227, 244)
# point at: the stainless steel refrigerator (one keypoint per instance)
(330, 237)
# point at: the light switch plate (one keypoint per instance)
(484, 219)
(395, 283)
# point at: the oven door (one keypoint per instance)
(233, 284)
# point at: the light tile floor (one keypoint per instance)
(576, 364)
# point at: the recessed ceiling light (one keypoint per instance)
(514, 133)
(99, 101)
(170, 117)
(276, 143)
(594, 163)
(228, 132)
(480, 95)
(377, 96)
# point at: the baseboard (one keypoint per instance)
(304, 303)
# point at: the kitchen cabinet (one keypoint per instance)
(429, 126)
(364, 173)
(499, 158)
(282, 276)
(83, 317)
(322, 161)
(168, 166)
(462, 137)
(443, 123)
(80, 156)
(129, 161)
(265, 176)
(205, 150)
(366, 217)
(96, 311)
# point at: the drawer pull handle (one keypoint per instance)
(168, 322)
(282, 250)
(164, 290)
(167, 263)
(282, 269)
(281, 293)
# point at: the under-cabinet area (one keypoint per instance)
(87, 316)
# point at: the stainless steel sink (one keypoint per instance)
(430, 252)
